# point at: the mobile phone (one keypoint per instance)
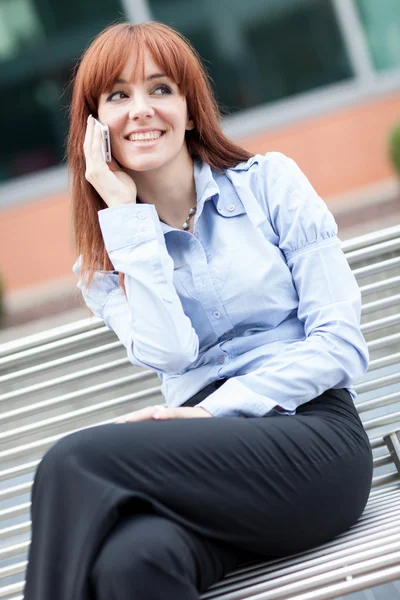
(105, 136)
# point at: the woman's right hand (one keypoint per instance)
(112, 183)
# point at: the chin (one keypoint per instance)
(142, 164)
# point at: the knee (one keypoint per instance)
(66, 454)
(140, 548)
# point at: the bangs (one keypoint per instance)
(106, 58)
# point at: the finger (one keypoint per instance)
(164, 413)
(161, 413)
(113, 165)
(88, 143)
(187, 412)
(139, 415)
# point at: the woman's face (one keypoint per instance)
(147, 119)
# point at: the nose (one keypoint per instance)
(140, 108)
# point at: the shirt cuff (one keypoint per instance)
(234, 399)
(128, 225)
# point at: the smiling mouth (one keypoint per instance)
(150, 136)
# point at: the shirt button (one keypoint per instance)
(141, 215)
(231, 207)
(216, 314)
(221, 360)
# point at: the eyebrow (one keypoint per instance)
(149, 78)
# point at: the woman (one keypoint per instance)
(222, 272)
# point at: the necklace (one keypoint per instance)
(191, 213)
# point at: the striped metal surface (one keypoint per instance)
(77, 376)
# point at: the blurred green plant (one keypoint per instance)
(394, 147)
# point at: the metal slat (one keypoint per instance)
(385, 361)
(50, 335)
(11, 589)
(383, 342)
(33, 409)
(390, 321)
(42, 444)
(71, 377)
(377, 268)
(70, 417)
(377, 442)
(14, 550)
(380, 480)
(379, 286)
(351, 585)
(15, 569)
(19, 470)
(312, 584)
(15, 530)
(15, 511)
(381, 461)
(371, 239)
(382, 304)
(261, 571)
(320, 574)
(382, 421)
(379, 402)
(60, 362)
(363, 254)
(379, 382)
(16, 490)
(50, 348)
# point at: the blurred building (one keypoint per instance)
(316, 79)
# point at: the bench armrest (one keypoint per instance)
(392, 441)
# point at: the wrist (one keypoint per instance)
(120, 202)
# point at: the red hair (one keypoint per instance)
(96, 74)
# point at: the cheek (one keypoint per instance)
(113, 118)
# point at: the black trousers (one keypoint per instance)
(163, 509)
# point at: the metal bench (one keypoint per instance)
(78, 375)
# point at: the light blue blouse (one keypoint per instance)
(261, 293)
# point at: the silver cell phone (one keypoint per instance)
(105, 136)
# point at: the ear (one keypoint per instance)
(189, 124)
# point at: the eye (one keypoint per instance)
(162, 90)
(115, 96)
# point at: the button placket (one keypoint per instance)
(205, 289)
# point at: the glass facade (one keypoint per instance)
(40, 41)
(258, 51)
(381, 22)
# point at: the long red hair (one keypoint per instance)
(96, 74)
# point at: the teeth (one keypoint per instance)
(149, 135)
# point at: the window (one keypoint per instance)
(259, 51)
(39, 44)
(381, 22)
